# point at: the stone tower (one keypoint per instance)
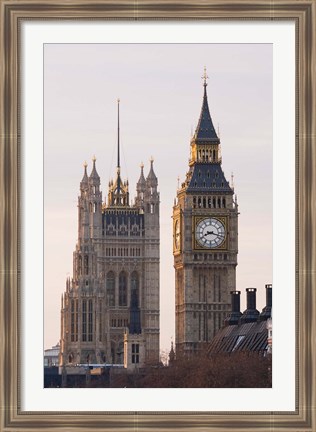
(205, 240)
(115, 266)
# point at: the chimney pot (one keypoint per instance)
(233, 317)
(266, 311)
(250, 314)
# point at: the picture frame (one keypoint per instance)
(12, 418)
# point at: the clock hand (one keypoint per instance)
(212, 232)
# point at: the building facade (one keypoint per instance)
(116, 259)
(205, 240)
(51, 356)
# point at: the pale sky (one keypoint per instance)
(161, 90)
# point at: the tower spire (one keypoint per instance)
(205, 131)
(118, 168)
(118, 190)
(118, 134)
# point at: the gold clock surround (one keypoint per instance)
(177, 235)
(196, 220)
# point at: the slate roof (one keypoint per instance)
(208, 177)
(94, 175)
(205, 130)
(245, 337)
(85, 175)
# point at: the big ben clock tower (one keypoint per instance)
(205, 240)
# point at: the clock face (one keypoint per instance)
(177, 234)
(210, 233)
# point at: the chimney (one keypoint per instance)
(266, 311)
(233, 317)
(250, 314)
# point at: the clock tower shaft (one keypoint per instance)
(205, 240)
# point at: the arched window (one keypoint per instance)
(86, 264)
(134, 289)
(84, 320)
(90, 321)
(110, 288)
(80, 265)
(74, 320)
(122, 289)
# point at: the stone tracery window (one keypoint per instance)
(122, 289)
(110, 288)
(135, 287)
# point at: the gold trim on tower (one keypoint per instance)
(177, 234)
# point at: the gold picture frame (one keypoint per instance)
(303, 13)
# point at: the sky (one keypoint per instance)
(160, 88)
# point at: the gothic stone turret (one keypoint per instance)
(115, 263)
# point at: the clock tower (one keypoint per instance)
(205, 240)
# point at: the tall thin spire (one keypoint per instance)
(118, 133)
(118, 190)
(118, 147)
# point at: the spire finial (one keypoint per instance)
(142, 165)
(205, 77)
(232, 180)
(94, 159)
(151, 160)
(85, 177)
